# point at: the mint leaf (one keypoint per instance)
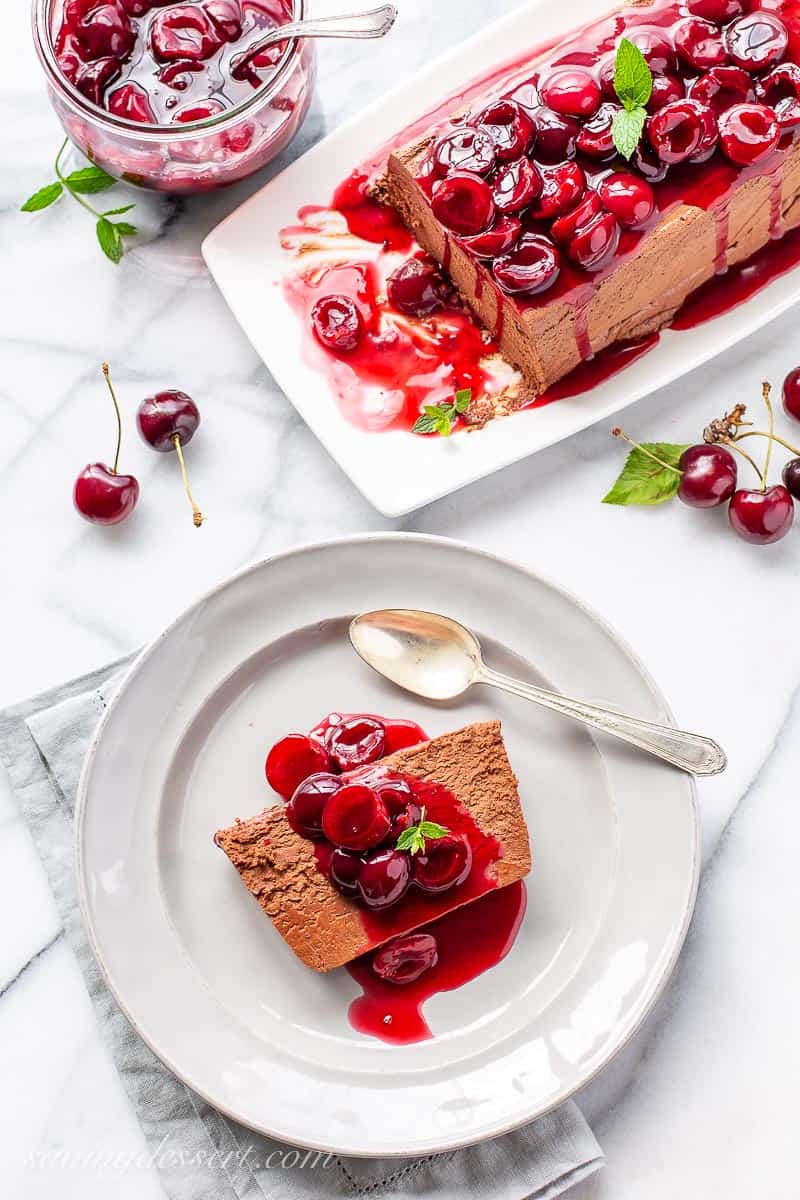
(633, 81)
(644, 481)
(462, 400)
(88, 180)
(43, 198)
(413, 839)
(117, 212)
(127, 230)
(110, 239)
(425, 424)
(627, 129)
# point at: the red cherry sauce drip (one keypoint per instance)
(470, 941)
(406, 362)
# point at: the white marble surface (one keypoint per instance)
(702, 1103)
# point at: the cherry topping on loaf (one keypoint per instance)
(344, 870)
(718, 11)
(749, 133)
(562, 188)
(780, 89)
(509, 127)
(699, 44)
(516, 185)
(596, 139)
(384, 878)
(499, 239)
(556, 135)
(464, 149)
(443, 864)
(292, 760)
(532, 266)
(355, 818)
(572, 92)
(628, 197)
(757, 40)
(356, 742)
(675, 132)
(721, 87)
(594, 245)
(304, 810)
(415, 288)
(463, 203)
(666, 88)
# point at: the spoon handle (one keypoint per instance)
(689, 751)
(374, 23)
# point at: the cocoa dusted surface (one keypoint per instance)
(279, 868)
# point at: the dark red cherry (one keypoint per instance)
(196, 112)
(572, 92)
(410, 816)
(791, 477)
(648, 164)
(498, 239)
(532, 266)
(183, 31)
(718, 11)
(757, 40)
(415, 288)
(762, 517)
(226, 15)
(596, 243)
(104, 496)
(464, 149)
(337, 323)
(343, 871)
(699, 44)
(445, 863)
(405, 959)
(509, 127)
(291, 761)
(463, 203)
(556, 135)
(92, 78)
(384, 878)
(565, 227)
(596, 139)
(356, 742)
(749, 133)
(791, 394)
(780, 89)
(562, 188)
(304, 810)
(106, 32)
(394, 791)
(70, 52)
(355, 818)
(666, 88)
(656, 47)
(709, 130)
(709, 476)
(675, 132)
(721, 87)
(132, 102)
(167, 415)
(515, 185)
(628, 197)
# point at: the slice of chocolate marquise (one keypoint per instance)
(457, 797)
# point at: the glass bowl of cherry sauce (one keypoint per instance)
(162, 93)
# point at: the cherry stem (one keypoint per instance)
(726, 441)
(781, 441)
(618, 433)
(119, 417)
(765, 391)
(197, 515)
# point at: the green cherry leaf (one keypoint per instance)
(110, 240)
(43, 198)
(627, 130)
(633, 81)
(89, 180)
(644, 481)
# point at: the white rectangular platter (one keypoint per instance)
(397, 471)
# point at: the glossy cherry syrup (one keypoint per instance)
(709, 64)
(158, 61)
(469, 941)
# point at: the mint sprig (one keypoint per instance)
(633, 83)
(86, 181)
(439, 418)
(413, 839)
(651, 475)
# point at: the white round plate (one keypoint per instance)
(211, 986)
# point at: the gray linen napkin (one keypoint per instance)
(199, 1154)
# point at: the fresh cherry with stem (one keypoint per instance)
(101, 494)
(707, 473)
(168, 421)
(764, 515)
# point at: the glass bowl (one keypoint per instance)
(189, 158)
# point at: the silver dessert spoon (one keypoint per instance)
(374, 23)
(439, 659)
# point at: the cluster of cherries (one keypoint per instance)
(530, 179)
(167, 422)
(358, 819)
(709, 472)
(163, 52)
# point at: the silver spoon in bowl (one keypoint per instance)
(374, 23)
(436, 657)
